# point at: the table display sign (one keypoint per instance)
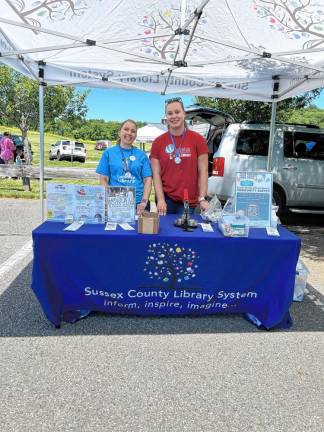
(70, 202)
(253, 197)
(121, 204)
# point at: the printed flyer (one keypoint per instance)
(253, 196)
(121, 204)
(70, 202)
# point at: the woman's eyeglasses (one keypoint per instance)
(175, 99)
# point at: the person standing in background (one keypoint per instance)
(7, 149)
(179, 159)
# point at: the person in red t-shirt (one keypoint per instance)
(179, 161)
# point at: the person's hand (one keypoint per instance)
(140, 207)
(161, 207)
(204, 204)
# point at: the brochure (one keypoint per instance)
(121, 204)
(253, 196)
(70, 203)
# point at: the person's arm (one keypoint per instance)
(203, 180)
(103, 169)
(161, 204)
(146, 195)
(103, 180)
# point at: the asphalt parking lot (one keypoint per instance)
(113, 373)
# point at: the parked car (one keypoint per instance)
(297, 163)
(67, 150)
(102, 144)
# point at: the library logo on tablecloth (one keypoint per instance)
(171, 264)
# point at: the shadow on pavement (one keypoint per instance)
(310, 228)
(21, 316)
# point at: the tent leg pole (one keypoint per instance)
(41, 148)
(272, 132)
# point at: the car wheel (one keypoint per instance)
(58, 156)
(278, 199)
(50, 157)
(82, 160)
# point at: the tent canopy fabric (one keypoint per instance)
(149, 132)
(262, 50)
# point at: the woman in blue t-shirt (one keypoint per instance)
(126, 165)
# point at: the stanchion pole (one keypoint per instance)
(41, 147)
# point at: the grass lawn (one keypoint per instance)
(13, 188)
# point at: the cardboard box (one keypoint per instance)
(148, 223)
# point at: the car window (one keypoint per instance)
(253, 142)
(66, 142)
(79, 144)
(303, 145)
(308, 146)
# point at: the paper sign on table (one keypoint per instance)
(111, 226)
(273, 232)
(74, 226)
(126, 226)
(206, 227)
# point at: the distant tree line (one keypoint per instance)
(87, 129)
(299, 109)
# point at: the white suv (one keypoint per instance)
(68, 150)
(297, 163)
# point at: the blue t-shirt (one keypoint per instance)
(116, 163)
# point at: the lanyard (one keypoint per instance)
(127, 162)
(177, 150)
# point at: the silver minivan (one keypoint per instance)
(297, 163)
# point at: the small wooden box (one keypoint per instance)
(148, 223)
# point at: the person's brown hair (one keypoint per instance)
(126, 121)
(172, 100)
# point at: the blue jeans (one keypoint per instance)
(175, 207)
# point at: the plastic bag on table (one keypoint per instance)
(214, 210)
(274, 217)
(302, 274)
(229, 208)
(233, 224)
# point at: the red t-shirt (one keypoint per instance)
(177, 177)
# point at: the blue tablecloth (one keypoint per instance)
(171, 273)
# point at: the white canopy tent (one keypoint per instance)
(149, 132)
(262, 50)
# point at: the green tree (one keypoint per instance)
(99, 129)
(312, 115)
(19, 102)
(242, 110)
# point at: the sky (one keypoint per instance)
(320, 101)
(122, 104)
(140, 106)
